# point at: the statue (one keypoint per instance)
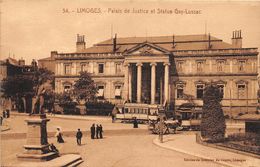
(38, 101)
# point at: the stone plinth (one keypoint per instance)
(82, 109)
(37, 146)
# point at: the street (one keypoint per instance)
(112, 151)
(124, 147)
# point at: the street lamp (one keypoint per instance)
(161, 127)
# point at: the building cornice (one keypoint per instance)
(93, 76)
(214, 75)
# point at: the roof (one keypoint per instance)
(182, 42)
(158, 39)
(249, 117)
(12, 61)
(46, 59)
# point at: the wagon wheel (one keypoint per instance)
(165, 127)
(156, 129)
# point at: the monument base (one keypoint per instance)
(37, 157)
(37, 146)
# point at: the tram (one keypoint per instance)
(141, 112)
(189, 117)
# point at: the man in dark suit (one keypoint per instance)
(97, 131)
(79, 136)
(100, 131)
(92, 130)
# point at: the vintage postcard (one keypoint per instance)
(112, 83)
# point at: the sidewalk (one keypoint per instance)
(75, 117)
(187, 144)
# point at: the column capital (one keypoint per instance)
(126, 64)
(139, 64)
(153, 64)
(166, 64)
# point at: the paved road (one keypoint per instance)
(18, 125)
(114, 151)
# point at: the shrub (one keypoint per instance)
(66, 102)
(227, 117)
(247, 138)
(213, 121)
(99, 108)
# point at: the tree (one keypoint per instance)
(25, 86)
(213, 121)
(66, 102)
(85, 88)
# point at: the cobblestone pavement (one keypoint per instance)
(112, 151)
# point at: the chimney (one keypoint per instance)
(237, 39)
(114, 44)
(173, 41)
(209, 42)
(21, 62)
(80, 44)
(34, 63)
(53, 54)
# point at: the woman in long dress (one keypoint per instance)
(58, 135)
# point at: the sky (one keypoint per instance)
(32, 29)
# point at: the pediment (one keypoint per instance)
(146, 49)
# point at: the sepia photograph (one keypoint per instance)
(129, 83)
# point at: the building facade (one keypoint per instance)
(48, 63)
(165, 69)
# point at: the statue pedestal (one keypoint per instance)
(37, 146)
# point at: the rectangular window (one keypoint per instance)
(200, 89)
(67, 68)
(241, 65)
(118, 68)
(241, 91)
(67, 88)
(100, 68)
(118, 92)
(100, 92)
(180, 66)
(220, 65)
(83, 67)
(179, 91)
(221, 90)
(200, 66)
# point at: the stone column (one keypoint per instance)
(210, 66)
(166, 81)
(139, 81)
(153, 82)
(130, 83)
(126, 82)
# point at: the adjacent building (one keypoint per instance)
(164, 70)
(48, 63)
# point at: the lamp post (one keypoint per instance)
(161, 127)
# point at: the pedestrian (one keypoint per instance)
(79, 136)
(59, 136)
(92, 130)
(4, 114)
(114, 112)
(135, 123)
(53, 148)
(97, 131)
(100, 131)
(1, 120)
(7, 113)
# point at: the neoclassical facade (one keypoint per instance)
(172, 69)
